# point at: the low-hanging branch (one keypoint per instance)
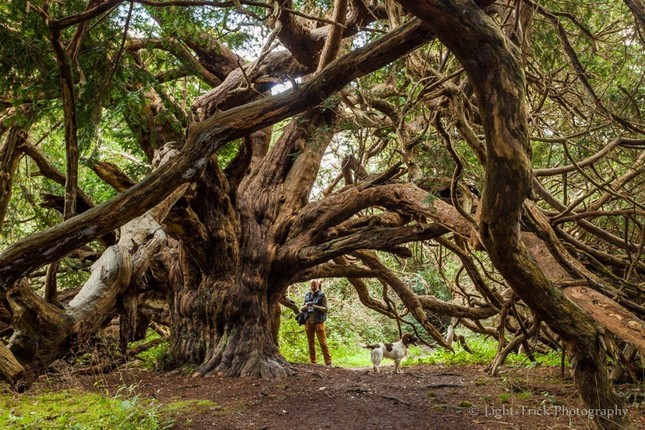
(372, 238)
(409, 299)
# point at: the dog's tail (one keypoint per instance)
(372, 346)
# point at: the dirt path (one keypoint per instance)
(317, 397)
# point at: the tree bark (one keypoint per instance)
(10, 369)
(9, 156)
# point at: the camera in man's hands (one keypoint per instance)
(310, 306)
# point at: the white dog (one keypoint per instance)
(396, 351)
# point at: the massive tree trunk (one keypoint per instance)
(492, 64)
(220, 305)
(229, 237)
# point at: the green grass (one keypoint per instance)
(74, 409)
(483, 350)
(525, 395)
(176, 411)
(180, 406)
(504, 398)
(345, 344)
(152, 356)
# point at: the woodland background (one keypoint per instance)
(181, 165)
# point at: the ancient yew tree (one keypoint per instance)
(183, 163)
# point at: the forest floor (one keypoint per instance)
(320, 397)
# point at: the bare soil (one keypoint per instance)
(320, 397)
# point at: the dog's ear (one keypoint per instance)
(409, 339)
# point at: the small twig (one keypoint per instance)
(146, 346)
(445, 385)
(161, 331)
(396, 399)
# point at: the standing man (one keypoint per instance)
(316, 308)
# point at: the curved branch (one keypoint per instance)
(295, 36)
(334, 270)
(180, 52)
(435, 305)
(373, 238)
(332, 44)
(214, 59)
(112, 175)
(587, 161)
(409, 299)
(316, 218)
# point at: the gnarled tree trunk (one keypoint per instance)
(229, 237)
(492, 64)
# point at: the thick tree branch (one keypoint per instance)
(178, 50)
(112, 175)
(373, 238)
(432, 304)
(334, 270)
(332, 44)
(316, 218)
